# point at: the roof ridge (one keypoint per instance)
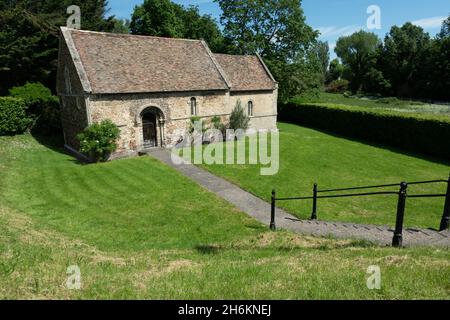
(111, 34)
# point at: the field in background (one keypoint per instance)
(382, 104)
(138, 229)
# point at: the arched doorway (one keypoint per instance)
(149, 130)
(152, 120)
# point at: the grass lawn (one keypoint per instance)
(308, 156)
(389, 104)
(138, 229)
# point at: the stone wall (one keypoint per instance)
(264, 107)
(72, 99)
(126, 110)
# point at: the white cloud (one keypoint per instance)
(429, 23)
(332, 46)
(338, 31)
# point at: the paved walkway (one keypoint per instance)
(260, 210)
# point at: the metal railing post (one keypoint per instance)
(314, 210)
(446, 215)
(272, 211)
(398, 233)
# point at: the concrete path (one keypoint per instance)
(260, 210)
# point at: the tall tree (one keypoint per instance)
(320, 53)
(358, 54)
(335, 70)
(157, 18)
(277, 30)
(438, 65)
(29, 37)
(272, 28)
(445, 29)
(168, 19)
(404, 52)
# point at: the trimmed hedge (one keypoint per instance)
(42, 106)
(13, 117)
(427, 134)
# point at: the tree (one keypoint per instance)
(272, 28)
(445, 29)
(157, 18)
(438, 65)
(29, 37)
(322, 54)
(358, 54)
(402, 59)
(121, 26)
(238, 118)
(167, 19)
(277, 30)
(335, 70)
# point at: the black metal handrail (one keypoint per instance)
(402, 196)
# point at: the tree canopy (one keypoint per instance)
(357, 53)
(29, 37)
(277, 30)
(165, 18)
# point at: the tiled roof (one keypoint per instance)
(116, 63)
(132, 64)
(246, 73)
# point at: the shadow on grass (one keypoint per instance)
(211, 249)
(55, 143)
(374, 144)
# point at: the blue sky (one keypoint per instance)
(335, 18)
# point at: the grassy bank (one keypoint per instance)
(138, 229)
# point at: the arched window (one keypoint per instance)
(250, 109)
(193, 106)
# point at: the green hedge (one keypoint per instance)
(42, 106)
(427, 134)
(13, 117)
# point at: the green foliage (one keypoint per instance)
(217, 124)
(98, 140)
(29, 37)
(277, 30)
(358, 54)
(167, 19)
(42, 106)
(335, 71)
(337, 86)
(417, 133)
(405, 50)
(408, 64)
(238, 117)
(121, 26)
(13, 117)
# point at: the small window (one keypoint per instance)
(67, 81)
(250, 109)
(193, 106)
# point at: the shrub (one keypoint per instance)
(98, 140)
(417, 133)
(218, 125)
(42, 106)
(238, 118)
(338, 86)
(13, 118)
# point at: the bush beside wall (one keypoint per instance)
(13, 117)
(426, 134)
(42, 107)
